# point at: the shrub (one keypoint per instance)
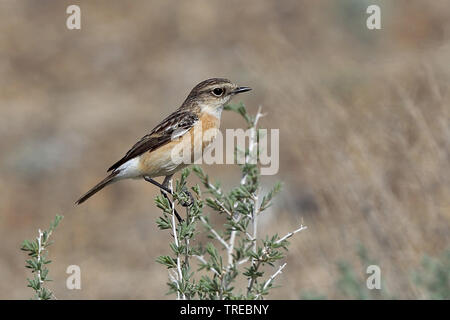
(236, 254)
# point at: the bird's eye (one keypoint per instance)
(218, 92)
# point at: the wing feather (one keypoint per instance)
(170, 128)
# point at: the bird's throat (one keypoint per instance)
(213, 110)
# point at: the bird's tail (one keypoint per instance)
(99, 186)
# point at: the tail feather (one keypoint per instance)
(109, 179)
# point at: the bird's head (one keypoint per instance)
(211, 95)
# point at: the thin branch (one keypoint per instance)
(214, 188)
(258, 116)
(254, 236)
(222, 206)
(243, 261)
(175, 237)
(290, 234)
(251, 281)
(252, 143)
(40, 247)
(202, 260)
(280, 269)
(272, 277)
(230, 249)
(186, 240)
(214, 232)
(173, 278)
(255, 215)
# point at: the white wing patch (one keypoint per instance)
(178, 133)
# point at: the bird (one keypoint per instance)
(152, 155)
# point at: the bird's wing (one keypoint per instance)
(170, 128)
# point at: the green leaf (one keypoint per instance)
(266, 201)
(167, 261)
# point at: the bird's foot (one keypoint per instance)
(187, 202)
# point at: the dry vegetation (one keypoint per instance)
(364, 119)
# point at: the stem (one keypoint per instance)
(251, 281)
(202, 260)
(255, 215)
(272, 277)
(251, 156)
(290, 234)
(186, 258)
(253, 143)
(175, 237)
(39, 239)
(221, 289)
(280, 269)
(214, 232)
(231, 249)
(255, 230)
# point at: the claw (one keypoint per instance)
(191, 198)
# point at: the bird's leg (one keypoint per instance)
(166, 181)
(191, 198)
(156, 183)
(185, 191)
(164, 186)
(164, 191)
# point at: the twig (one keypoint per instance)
(251, 150)
(255, 215)
(202, 260)
(173, 278)
(214, 232)
(272, 277)
(231, 249)
(252, 142)
(290, 234)
(280, 269)
(243, 261)
(254, 236)
(175, 237)
(39, 240)
(251, 281)
(186, 239)
(222, 206)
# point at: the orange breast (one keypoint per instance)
(159, 162)
(209, 125)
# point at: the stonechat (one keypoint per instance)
(152, 155)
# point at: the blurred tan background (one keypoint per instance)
(363, 116)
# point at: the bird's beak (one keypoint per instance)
(241, 89)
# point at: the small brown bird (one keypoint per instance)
(152, 156)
